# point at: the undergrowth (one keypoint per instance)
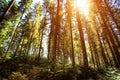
(29, 69)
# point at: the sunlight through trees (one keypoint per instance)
(63, 32)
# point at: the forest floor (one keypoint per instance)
(24, 69)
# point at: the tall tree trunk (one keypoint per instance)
(109, 37)
(112, 15)
(90, 45)
(16, 50)
(14, 34)
(49, 43)
(69, 17)
(12, 38)
(40, 44)
(101, 46)
(22, 46)
(110, 45)
(55, 37)
(71, 35)
(85, 60)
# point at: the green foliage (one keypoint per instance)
(3, 4)
(24, 68)
(8, 25)
(110, 73)
(79, 73)
(17, 76)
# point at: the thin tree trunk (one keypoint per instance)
(115, 52)
(101, 47)
(14, 34)
(40, 45)
(16, 50)
(112, 15)
(71, 35)
(21, 47)
(110, 46)
(90, 45)
(6, 11)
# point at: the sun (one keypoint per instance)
(82, 5)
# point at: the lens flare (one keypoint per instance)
(82, 5)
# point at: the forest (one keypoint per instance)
(59, 39)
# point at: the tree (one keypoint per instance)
(6, 11)
(85, 60)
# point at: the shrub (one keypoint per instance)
(17, 76)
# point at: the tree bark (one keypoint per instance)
(85, 60)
